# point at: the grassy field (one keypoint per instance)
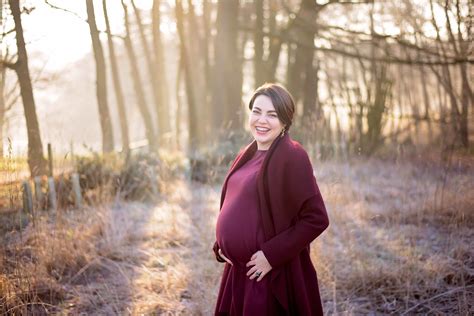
(399, 242)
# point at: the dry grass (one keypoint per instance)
(393, 245)
(398, 242)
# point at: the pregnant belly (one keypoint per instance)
(237, 237)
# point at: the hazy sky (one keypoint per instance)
(56, 40)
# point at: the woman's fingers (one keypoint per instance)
(225, 258)
(261, 276)
(260, 264)
(251, 271)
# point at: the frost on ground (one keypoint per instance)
(398, 242)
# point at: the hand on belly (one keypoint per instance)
(259, 266)
(224, 257)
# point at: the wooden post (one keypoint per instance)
(52, 194)
(27, 198)
(76, 188)
(61, 191)
(154, 182)
(38, 193)
(50, 160)
(71, 144)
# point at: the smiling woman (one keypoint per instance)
(271, 210)
(264, 122)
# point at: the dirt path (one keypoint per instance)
(156, 259)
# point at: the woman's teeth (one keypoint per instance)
(262, 130)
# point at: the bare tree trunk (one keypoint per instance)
(178, 103)
(259, 70)
(161, 84)
(227, 85)
(206, 16)
(2, 89)
(334, 108)
(304, 55)
(2, 105)
(311, 106)
(137, 84)
(378, 90)
(466, 98)
(117, 85)
(188, 78)
(105, 121)
(196, 51)
(426, 101)
(271, 62)
(163, 123)
(36, 161)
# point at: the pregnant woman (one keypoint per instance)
(271, 210)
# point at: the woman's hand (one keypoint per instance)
(260, 265)
(224, 257)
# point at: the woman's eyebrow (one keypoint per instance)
(257, 108)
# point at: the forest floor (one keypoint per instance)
(399, 241)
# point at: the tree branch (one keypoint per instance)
(8, 32)
(79, 17)
(8, 64)
(391, 60)
(65, 10)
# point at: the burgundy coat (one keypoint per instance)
(293, 214)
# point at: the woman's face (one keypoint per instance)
(264, 122)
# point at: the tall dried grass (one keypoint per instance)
(393, 246)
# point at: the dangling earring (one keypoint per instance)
(282, 133)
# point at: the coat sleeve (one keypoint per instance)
(311, 221)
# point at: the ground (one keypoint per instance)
(398, 242)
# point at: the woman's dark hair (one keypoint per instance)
(281, 99)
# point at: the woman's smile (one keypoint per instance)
(261, 130)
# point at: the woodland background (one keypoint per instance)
(146, 100)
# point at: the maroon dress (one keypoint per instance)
(239, 234)
(293, 214)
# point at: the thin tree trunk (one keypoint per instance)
(195, 51)
(36, 161)
(311, 108)
(161, 130)
(206, 16)
(105, 121)
(117, 84)
(259, 70)
(227, 85)
(161, 84)
(2, 106)
(188, 78)
(178, 103)
(303, 55)
(137, 84)
(466, 98)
